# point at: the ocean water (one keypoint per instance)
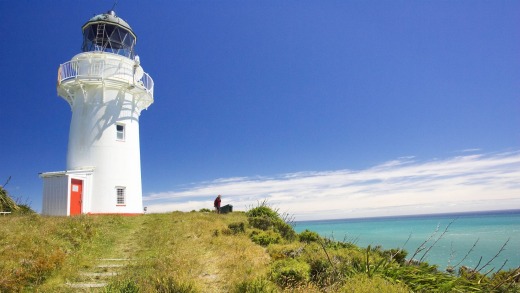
(473, 238)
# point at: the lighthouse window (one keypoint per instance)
(120, 196)
(120, 132)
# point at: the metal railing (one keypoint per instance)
(103, 69)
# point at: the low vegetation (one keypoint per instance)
(255, 251)
(8, 205)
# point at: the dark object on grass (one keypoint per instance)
(226, 209)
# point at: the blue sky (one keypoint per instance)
(327, 109)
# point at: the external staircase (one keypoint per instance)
(98, 276)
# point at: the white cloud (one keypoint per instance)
(403, 186)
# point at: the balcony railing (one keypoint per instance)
(103, 69)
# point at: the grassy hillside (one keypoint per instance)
(255, 251)
(176, 250)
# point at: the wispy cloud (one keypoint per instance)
(402, 186)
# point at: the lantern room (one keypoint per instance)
(108, 33)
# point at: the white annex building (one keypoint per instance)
(106, 89)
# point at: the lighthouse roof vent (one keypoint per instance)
(107, 32)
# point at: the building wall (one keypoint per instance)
(55, 195)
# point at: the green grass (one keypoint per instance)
(255, 251)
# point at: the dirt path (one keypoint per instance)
(173, 251)
(110, 261)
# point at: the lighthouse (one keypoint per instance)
(106, 88)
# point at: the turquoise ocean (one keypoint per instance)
(473, 238)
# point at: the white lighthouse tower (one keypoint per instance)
(106, 89)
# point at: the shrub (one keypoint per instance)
(308, 236)
(506, 281)
(7, 204)
(265, 238)
(469, 274)
(262, 222)
(426, 278)
(227, 232)
(237, 228)
(279, 251)
(263, 210)
(350, 262)
(204, 210)
(321, 272)
(24, 210)
(285, 230)
(398, 255)
(332, 244)
(513, 275)
(290, 272)
(265, 218)
(363, 284)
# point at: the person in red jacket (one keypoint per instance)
(216, 204)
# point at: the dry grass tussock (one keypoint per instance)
(33, 248)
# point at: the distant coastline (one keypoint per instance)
(418, 216)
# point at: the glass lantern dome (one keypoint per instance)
(108, 33)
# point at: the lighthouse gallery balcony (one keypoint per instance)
(91, 68)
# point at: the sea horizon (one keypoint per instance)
(471, 238)
(431, 215)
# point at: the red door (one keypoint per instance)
(76, 191)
